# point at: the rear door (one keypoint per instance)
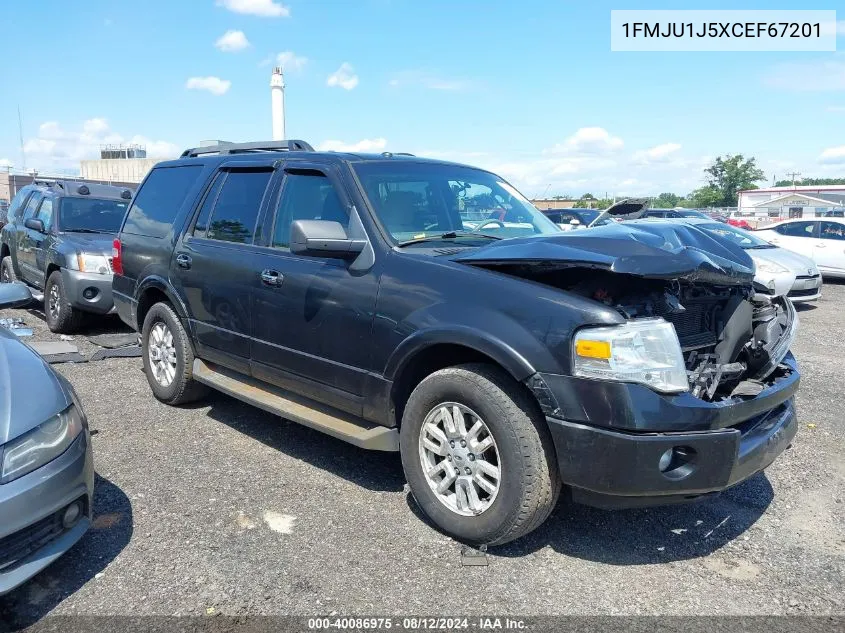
(42, 241)
(26, 240)
(829, 251)
(214, 262)
(312, 316)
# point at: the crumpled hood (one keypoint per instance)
(30, 391)
(653, 250)
(90, 242)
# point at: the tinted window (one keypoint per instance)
(18, 202)
(31, 206)
(796, 229)
(201, 225)
(159, 199)
(308, 196)
(91, 214)
(832, 231)
(45, 213)
(235, 212)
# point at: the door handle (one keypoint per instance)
(272, 278)
(183, 261)
(821, 246)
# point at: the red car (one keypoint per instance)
(742, 224)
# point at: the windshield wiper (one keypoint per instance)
(449, 235)
(759, 246)
(84, 231)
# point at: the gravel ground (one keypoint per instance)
(220, 507)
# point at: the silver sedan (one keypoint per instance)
(780, 270)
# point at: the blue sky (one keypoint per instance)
(529, 89)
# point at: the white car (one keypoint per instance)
(822, 240)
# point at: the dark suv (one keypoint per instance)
(58, 240)
(425, 307)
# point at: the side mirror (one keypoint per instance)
(323, 238)
(14, 295)
(35, 224)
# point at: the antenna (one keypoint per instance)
(20, 134)
(793, 175)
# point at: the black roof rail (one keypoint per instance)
(47, 183)
(245, 148)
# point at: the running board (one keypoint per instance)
(292, 407)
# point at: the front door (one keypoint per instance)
(214, 261)
(829, 251)
(312, 317)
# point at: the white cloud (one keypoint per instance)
(214, 85)
(833, 156)
(58, 148)
(364, 145)
(232, 41)
(261, 8)
(5, 163)
(588, 140)
(290, 61)
(428, 80)
(657, 154)
(344, 77)
(821, 75)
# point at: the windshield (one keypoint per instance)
(588, 216)
(736, 235)
(416, 201)
(91, 214)
(692, 214)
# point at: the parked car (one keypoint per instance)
(823, 241)
(740, 224)
(4, 212)
(572, 219)
(779, 271)
(58, 241)
(675, 213)
(632, 364)
(46, 465)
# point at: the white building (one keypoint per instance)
(802, 201)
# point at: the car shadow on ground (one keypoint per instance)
(373, 470)
(92, 324)
(109, 534)
(643, 536)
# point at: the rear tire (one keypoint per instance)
(168, 357)
(7, 271)
(514, 475)
(61, 317)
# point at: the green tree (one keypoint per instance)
(666, 201)
(588, 196)
(731, 174)
(709, 196)
(814, 182)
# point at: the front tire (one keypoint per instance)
(477, 455)
(62, 318)
(168, 357)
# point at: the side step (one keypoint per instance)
(292, 407)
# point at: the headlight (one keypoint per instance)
(91, 263)
(40, 445)
(645, 351)
(769, 267)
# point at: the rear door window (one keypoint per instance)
(18, 203)
(832, 231)
(159, 200)
(234, 215)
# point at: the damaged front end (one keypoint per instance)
(732, 339)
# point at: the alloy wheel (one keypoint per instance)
(162, 354)
(54, 303)
(460, 459)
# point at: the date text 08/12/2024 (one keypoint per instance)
(416, 623)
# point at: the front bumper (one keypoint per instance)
(721, 443)
(808, 288)
(78, 283)
(28, 503)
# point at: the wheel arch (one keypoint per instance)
(154, 290)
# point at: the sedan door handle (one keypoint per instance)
(272, 278)
(821, 245)
(183, 261)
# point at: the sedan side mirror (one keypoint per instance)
(323, 238)
(14, 295)
(35, 224)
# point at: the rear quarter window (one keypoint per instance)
(159, 199)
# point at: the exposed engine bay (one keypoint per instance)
(732, 339)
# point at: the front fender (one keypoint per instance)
(516, 346)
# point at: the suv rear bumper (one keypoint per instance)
(99, 286)
(613, 467)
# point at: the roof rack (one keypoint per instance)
(245, 148)
(45, 182)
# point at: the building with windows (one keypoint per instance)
(801, 201)
(119, 164)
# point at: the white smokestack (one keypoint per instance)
(277, 96)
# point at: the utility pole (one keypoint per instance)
(793, 175)
(20, 134)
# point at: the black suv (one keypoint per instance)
(58, 239)
(425, 307)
